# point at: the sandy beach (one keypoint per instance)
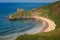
(49, 24)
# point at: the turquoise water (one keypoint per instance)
(9, 27)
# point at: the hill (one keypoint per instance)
(52, 11)
(53, 35)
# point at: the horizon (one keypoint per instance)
(27, 1)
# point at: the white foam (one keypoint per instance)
(33, 30)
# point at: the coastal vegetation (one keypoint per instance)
(51, 11)
(53, 35)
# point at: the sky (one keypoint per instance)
(28, 0)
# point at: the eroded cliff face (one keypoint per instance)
(56, 9)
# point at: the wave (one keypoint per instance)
(31, 28)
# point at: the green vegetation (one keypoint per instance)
(53, 35)
(21, 14)
(53, 12)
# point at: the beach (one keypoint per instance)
(49, 24)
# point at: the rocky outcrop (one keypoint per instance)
(10, 17)
(20, 10)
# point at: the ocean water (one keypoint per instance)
(9, 27)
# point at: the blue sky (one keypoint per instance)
(28, 0)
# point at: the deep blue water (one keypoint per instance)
(9, 27)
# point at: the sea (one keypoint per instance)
(8, 27)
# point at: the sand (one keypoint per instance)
(49, 24)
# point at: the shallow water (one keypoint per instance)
(28, 26)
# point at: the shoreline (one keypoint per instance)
(47, 26)
(44, 28)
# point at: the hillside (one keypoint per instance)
(54, 12)
(53, 35)
(51, 11)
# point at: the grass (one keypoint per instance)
(53, 35)
(21, 14)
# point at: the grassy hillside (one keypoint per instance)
(53, 35)
(51, 11)
(20, 14)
